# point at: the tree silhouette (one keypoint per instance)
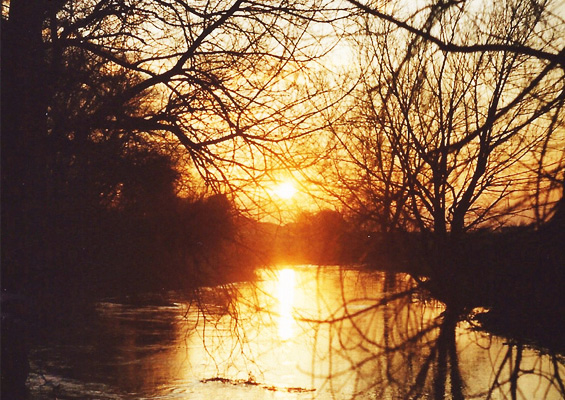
(442, 138)
(98, 96)
(455, 130)
(454, 122)
(219, 80)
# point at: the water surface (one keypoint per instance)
(298, 333)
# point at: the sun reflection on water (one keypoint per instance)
(286, 282)
(301, 333)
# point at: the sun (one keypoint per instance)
(285, 190)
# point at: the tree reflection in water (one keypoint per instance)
(379, 335)
(297, 333)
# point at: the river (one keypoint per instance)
(301, 332)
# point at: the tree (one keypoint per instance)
(448, 136)
(219, 80)
(456, 130)
(96, 93)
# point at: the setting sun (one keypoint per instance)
(285, 190)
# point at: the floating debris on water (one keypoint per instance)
(252, 382)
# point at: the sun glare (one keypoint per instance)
(285, 190)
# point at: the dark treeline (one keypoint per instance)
(321, 238)
(108, 219)
(91, 206)
(515, 274)
(94, 201)
(88, 210)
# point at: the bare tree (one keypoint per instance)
(448, 136)
(222, 80)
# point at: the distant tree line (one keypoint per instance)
(324, 237)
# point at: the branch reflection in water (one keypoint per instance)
(358, 334)
(304, 333)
